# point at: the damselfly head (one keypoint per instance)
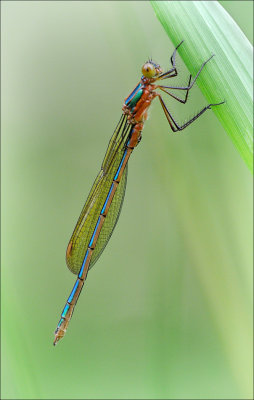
(150, 69)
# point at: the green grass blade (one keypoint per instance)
(207, 28)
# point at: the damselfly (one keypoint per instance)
(102, 208)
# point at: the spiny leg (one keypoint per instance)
(172, 121)
(192, 83)
(174, 129)
(172, 72)
(175, 97)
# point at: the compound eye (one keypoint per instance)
(148, 70)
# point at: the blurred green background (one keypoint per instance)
(167, 310)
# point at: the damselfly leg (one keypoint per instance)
(175, 97)
(173, 122)
(190, 84)
(173, 71)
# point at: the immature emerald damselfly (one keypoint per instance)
(103, 205)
